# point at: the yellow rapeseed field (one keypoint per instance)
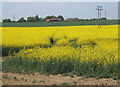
(64, 38)
(24, 36)
(64, 49)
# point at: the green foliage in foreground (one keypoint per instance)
(10, 50)
(89, 69)
(63, 23)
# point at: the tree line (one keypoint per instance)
(40, 19)
(35, 19)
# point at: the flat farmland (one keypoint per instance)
(62, 23)
(86, 51)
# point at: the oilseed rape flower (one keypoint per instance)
(69, 48)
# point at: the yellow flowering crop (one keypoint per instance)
(81, 49)
(25, 36)
(83, 35)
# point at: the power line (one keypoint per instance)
(99, 8)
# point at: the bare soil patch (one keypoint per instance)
(38, 79)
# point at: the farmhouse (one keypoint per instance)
(72, 19)
(55, 19)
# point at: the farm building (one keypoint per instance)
(55, 19)
(72, 19)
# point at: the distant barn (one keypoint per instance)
(55, 19)
(72, 19)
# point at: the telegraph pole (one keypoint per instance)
(13, 17)
(105, 14)
(99, 8)
(98, 14)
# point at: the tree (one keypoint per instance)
(21, 20)
(31, 19)
(50, 17)
(61, 17)
(41, 19)
(37, 18)
(6, 20)
(103, 18)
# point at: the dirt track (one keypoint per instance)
(37, 79)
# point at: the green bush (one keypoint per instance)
(21, 20)
(6, 20)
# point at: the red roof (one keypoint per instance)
(52, 19)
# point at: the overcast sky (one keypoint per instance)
(67, 9)
(60, 0)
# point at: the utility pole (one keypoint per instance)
(99, 8)
(105, 14)
(13, 17)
